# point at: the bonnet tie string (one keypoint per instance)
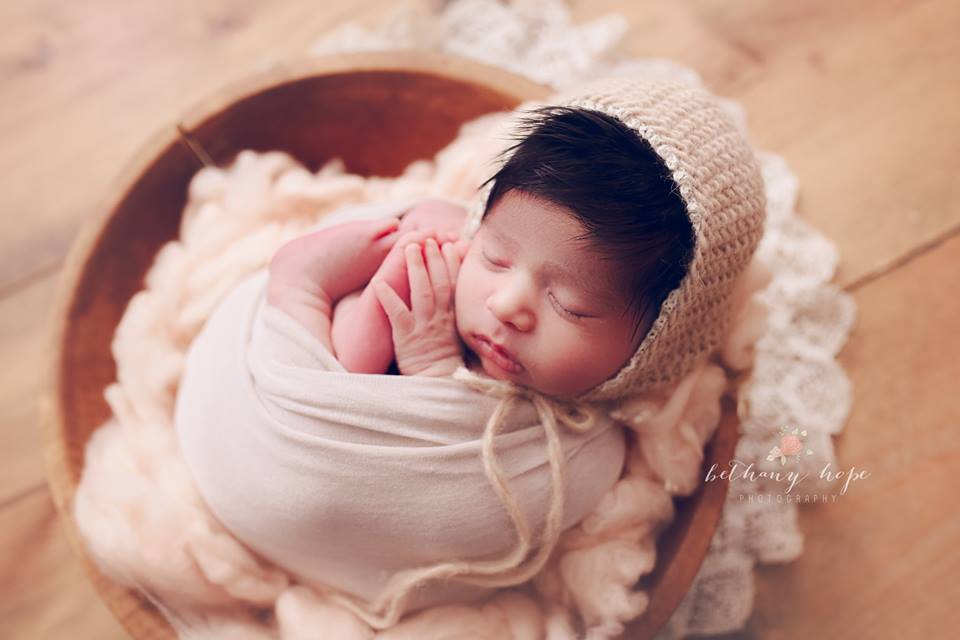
(510, 569)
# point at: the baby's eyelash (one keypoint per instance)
(492, 261)
(563, 310)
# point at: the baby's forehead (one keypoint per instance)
(524, 217)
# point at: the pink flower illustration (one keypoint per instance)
(790, 444)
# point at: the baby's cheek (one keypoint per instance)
(567, 361)
(468, 299)
(460, 305)
(573, 364)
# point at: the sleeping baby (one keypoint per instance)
(597, 263)
(582, 239)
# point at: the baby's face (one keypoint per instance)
(538, 307)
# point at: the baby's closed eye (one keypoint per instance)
(567, 310)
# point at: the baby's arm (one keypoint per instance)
(361, 333)
(309, 274)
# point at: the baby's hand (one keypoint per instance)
(425, 336)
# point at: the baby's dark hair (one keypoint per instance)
(617, 188)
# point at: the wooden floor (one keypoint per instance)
(860, 97)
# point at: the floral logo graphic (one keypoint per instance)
(791, 445)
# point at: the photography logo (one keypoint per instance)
(791, 445)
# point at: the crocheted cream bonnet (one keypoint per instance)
(720, 182)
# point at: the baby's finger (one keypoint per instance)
(417, 235)
(421, 295)
(439, 276)
(393, 306)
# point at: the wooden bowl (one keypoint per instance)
(409, 105)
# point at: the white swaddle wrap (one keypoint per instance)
(344, 479)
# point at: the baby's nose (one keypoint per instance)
(512, 309)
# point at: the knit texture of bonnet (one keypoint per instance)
(719, 180)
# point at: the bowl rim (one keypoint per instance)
(128, 606)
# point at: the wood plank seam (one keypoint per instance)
(903, 259)
(23, 495)
(11, 289)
